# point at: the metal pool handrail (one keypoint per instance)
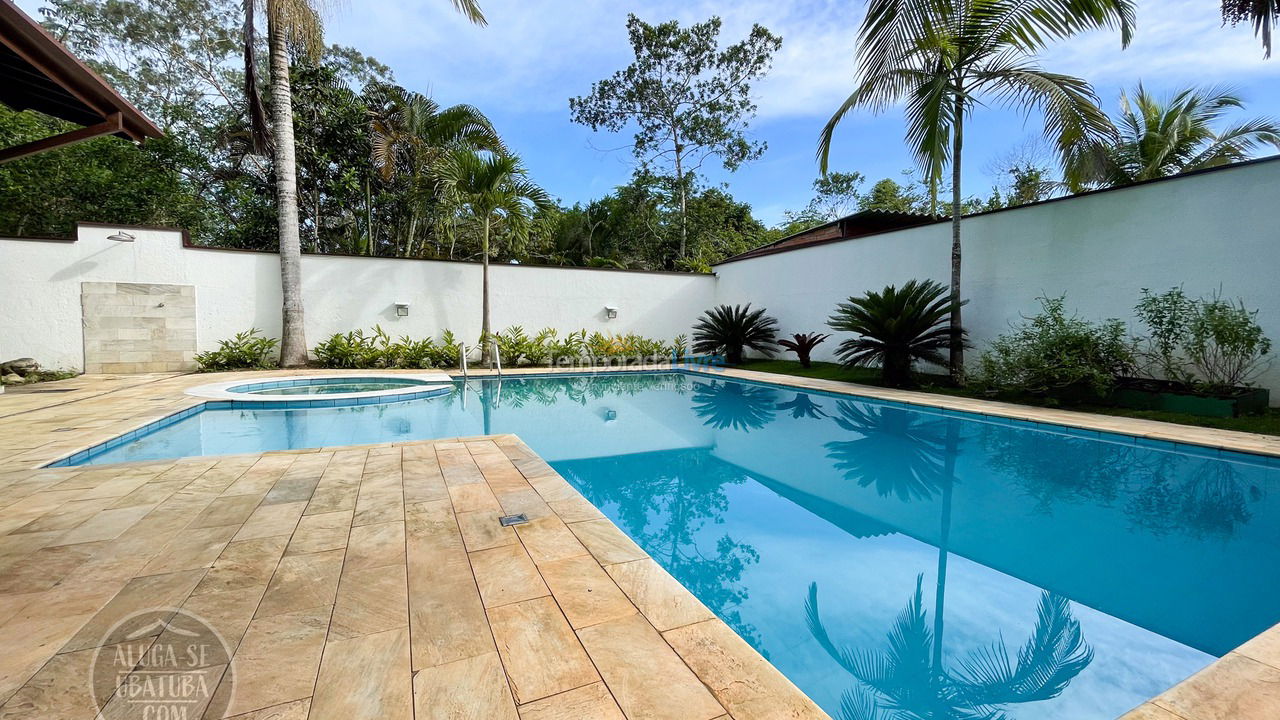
(497, 359)
(462, 355)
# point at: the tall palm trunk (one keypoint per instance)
(293, 342)
(957, 340)
(484, 319)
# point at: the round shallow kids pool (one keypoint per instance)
(326, 390)
(326, 386)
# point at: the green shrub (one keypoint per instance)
(246, 351)
(896, 327)
(358, 350)
(1209, 344)
(1058, 356)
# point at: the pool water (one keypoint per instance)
(886, 559)
(327, 386)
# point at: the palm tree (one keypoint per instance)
(295, 22)
(1159, 137)
(412, 136)
(492, 188)
(896, 327)
(1262, 14)
(941, 57)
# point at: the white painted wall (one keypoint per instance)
(1203, 232)
(40, 313)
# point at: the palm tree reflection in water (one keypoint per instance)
(912, 457)
(725, 405)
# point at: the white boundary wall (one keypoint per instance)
(1202, 231)
(40, 314)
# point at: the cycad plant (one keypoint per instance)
(493, 189)
(729, 329)
(1159, 137)
(802, 344)
(941, 59)
(897, 327)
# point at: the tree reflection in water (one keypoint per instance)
(1161, 492)
(735, 405)
(803, 406)
(902, 453)
(665, 501)
(907, 680)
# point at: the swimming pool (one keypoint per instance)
(929, 545)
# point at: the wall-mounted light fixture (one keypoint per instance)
(123, 236)
(402, 309)
(611, 312)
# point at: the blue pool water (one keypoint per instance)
(932, 547)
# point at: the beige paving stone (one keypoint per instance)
(197, 548)
(153, 493)
(469, 689)
(370, 600)
(1147, 711)
(67, 686)
(29, 642)
(106, 525)
(140, 607)
(591, 702)
(376, 545)
(644, 674)
(481, 530)
(663, 600)
(539, 650)
(211, 625)
(446, 616)
(505, 574)
(473, 497)
(147, 694)
(366, 678)
(44, 568)
(271, 520)
(244, 564)
(228, 510)
(525, 502)
(743, 681)
(301, 582)
(585, 593)
(576, 509)
(379, 501)
(276, 663)
(548, 539)
(296, 710)
(606, 542)
(318, 533)
(423, 480)
(553, 487)
(66, 516)
(1265, 647)
(259, 479)
(1233, 688)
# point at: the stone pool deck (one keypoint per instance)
(376, 581)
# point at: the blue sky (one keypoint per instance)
(535, 54)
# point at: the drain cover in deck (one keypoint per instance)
(509, 520)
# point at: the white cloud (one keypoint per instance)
(536, 54)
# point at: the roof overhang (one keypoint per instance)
(40, 74)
